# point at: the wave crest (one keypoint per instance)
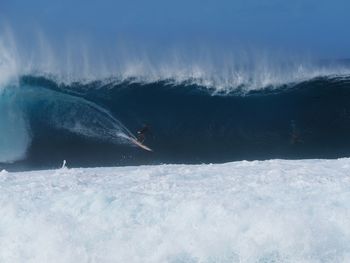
(222, 70)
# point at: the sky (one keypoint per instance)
(317, 26)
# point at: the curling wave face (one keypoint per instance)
(45, 122)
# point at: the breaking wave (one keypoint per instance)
(87, 123)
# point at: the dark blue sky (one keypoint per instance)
(317, 26)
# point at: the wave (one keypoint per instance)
(44, 107)
(14, 132)
(246, 77)
(222, 70)
(45, 122)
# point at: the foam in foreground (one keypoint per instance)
(270, 211)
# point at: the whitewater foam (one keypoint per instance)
(222, 71)
(9, 67)
(271, 211)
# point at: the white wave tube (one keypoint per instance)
(269, 211)
(14, 132)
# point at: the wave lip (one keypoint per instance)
(222, 72)
(239, 79)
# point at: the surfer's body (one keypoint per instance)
(139, 139)
(141, 134)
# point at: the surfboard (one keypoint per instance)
(136, 142)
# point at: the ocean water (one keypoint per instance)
(45, 121)
(260, 211)
(186, 201)
(208, 106)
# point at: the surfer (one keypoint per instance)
(141, 134)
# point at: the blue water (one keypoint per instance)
(47, 121)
